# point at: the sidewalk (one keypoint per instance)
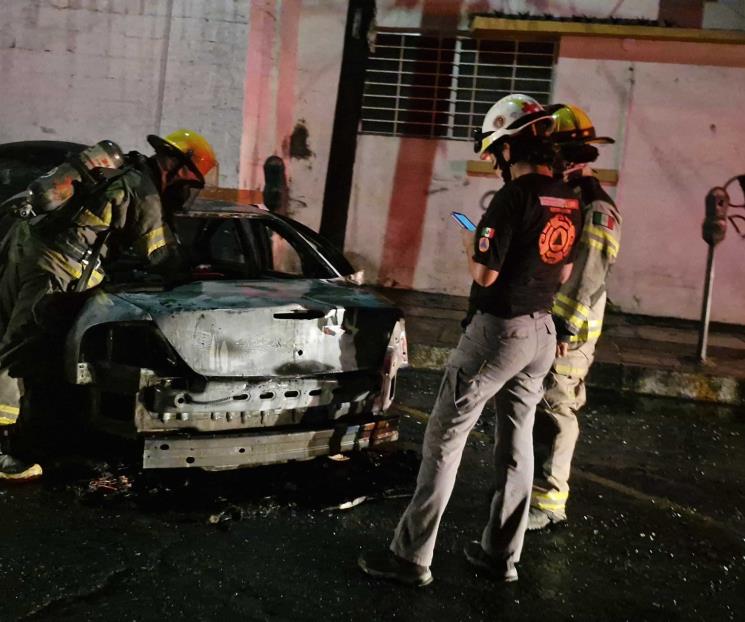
(638, 354)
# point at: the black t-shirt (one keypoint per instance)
(527, 234)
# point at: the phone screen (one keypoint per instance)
(463, 221)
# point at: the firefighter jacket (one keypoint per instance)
(579, 305)
(128, 211)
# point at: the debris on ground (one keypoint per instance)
(109, 483)
(232, 513)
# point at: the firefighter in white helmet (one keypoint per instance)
(127, 209)
(521, 250)
(578, 311)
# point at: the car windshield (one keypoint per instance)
(235, 246)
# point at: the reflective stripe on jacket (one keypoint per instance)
(130, 207)
(580, 303)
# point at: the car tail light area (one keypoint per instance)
(396, 357)
(130, 344)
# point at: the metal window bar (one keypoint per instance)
(439, 75)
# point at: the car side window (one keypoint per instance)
(284, 254)
(285, 259)
(225, 243)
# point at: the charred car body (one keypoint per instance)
(267, 356)
(269, 353)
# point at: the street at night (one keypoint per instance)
(655, 531)
(293, 292)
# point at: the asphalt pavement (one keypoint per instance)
(656, 531)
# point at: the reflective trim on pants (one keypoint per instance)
(549, 500)
(557, 426)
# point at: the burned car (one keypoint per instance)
(269, 351)
(268, 354)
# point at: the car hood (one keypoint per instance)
(271, 328)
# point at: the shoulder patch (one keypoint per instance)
(487, 232)
(604, 220)
(483, 244)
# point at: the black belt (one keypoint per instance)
(534, 314)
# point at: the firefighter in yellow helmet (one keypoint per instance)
(125, 210)
(578, 314)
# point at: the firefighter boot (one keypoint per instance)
(14, 470)
(540, 519)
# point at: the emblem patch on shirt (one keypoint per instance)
(483, 244)
(487, 232)
(556, 239)
(603, 220)
(562, 203)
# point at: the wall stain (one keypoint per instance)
(299, 148)
(436, 190)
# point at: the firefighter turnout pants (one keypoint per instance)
(557, 428)
(512, 355)
(22, 286)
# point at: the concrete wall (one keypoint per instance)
(679, 133)
(674, 110)
(83, 70)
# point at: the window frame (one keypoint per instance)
(463, 45)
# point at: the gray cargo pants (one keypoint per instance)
(516, 354)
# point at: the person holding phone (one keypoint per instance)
(520, 252)
(464, 221)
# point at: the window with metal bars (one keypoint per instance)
(442, 86)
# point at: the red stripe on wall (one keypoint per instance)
(289, 27)
(644, 51)
(256, 91)
(406, 212)
(414, 165)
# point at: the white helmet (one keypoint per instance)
(510, 115)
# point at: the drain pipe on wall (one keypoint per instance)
(163, 70)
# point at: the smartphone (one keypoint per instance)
(463, 221)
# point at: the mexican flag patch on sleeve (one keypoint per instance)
(603, 220)
(487, 232)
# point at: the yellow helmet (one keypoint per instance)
(192, 148)
(572, 125)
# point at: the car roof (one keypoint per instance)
(39, 149)
(227, 209)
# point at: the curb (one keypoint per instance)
(659, 382)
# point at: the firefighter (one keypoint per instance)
(521, 250)
(127, 211)
(578, 313)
